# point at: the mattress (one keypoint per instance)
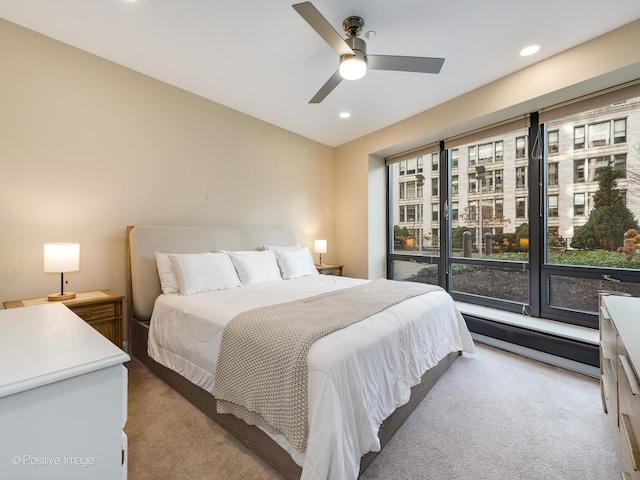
(357, 376)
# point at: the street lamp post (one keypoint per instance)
(480, 171)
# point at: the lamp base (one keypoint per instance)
(55, 297)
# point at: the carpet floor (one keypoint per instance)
(494, 415)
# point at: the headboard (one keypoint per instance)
(144, 240)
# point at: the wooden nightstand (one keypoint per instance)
(102, 309)
(327, 269)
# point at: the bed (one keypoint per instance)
(178, 337)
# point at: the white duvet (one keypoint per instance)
(357, 376)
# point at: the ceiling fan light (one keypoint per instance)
(352, 68)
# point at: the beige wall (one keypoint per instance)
(88, 147)
(608, 60)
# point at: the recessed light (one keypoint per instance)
(345, 114)
(530, 50)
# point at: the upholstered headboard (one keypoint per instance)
(144, 240)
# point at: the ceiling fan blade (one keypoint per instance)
(327, 88)
(405, 64)
(323, 27)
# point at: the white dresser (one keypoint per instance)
(63, 398)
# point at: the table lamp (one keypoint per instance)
(320, 247)
(61, 257)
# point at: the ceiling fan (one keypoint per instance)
(354, 60)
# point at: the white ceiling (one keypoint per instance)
(261, 58)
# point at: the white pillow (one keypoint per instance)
(296, 264)
(276, 248)
(255, 266)
(168, 281)
(203, 272)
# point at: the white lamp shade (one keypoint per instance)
(61, 257)
(320, 246)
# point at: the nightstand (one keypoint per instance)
(102, 309)
(326, 269)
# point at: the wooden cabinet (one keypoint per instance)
(63, 398)
(326, 269)
(102, 309)
(619, 379)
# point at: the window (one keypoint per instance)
(411, 189)
(420, 190)
(487, 182)
(485, 153)
(435, 162)
(498, 177)
(521, 177)
(552, 171)
(454, 211)
(598, 134)
(401, 214)
(552, 201)
(499, 151)
(521, 207)
(434, 212)
(499, 206)
(620, 130)
(620, 164)
(595, 164)
(578, 137)
(402, 168)
(473, 211)
(434, 186)
(454, 184)
(420, 164)
(578, 204)
(411, 213)
(402, 190)
(578, 171)
(552, 142)
(411, 166)
(472, 183)
(454, 158)
(520, 147)
(472, 155)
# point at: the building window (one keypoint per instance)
(520, 147)
(454, 211)
(485, 153)
(598, 134)
(402, 191)
(434, 186)
(472, 183)
(454, 184)
(620, 130)
(578, 171)
(595, 164)
(552, 142)
(521, 177)
(411, 189)
(402, 214)
(435, 162)
(578, 204)
(454, 158)
(521, 207)
(499, 151)
(553, 173)
(499, 205)
(499, 182)
(552, 200)
(403, 168)
(473, 211)
(434, 212)
(419, 190)
(620, 164)
(420, 164)
(578, 137)
(411, 213)
(472, 155)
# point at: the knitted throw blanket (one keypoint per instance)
(261, 376)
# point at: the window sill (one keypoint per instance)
(551, 327)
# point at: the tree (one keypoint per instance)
(609, 219)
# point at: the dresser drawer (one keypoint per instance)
(95, 312)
